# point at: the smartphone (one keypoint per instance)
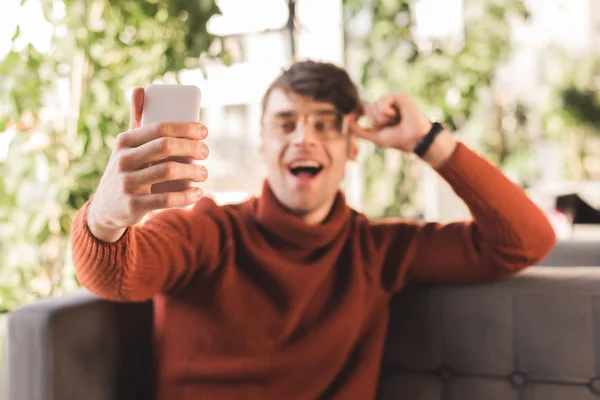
(171, 103)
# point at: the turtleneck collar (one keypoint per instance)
(291, 228)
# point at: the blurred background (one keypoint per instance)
(515, 79)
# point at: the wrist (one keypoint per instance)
(101, 230)
(441, 149)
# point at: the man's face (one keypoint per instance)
(304, 150)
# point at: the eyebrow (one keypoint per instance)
(291, 113)
(284, 114)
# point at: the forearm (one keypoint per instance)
(512, 228)
(509, 231)
(111, 269)
(159, 256)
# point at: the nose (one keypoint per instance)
(303, 136)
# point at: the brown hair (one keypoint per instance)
(320, 81)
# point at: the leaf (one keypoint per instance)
(10, 62)
(15, 36)
(391, 59)
(55, 165)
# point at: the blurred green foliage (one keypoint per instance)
(572, 118)
(450, 77)
(100, 50)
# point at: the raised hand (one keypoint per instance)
(396, 122)
(143, 159)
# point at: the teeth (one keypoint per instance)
(305, 163)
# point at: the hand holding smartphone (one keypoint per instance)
(152, 165)
(171, 103)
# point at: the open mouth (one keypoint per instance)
(305, 169)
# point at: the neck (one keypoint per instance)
(308, 230)
(317, 216)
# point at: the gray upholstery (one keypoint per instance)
(80, 348)
(573, 253)
(531, 337)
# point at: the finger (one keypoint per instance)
(158, 201)
(135, 109)
(389, 109)
(364, 133)
(374, 115)
(392, 115)
(139, 136)
(161, 148)
(139, 181)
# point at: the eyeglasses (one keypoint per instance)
(325, 124)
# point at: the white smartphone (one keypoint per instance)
(171, 103)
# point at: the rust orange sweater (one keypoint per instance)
(251, 303)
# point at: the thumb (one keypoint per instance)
(135, 110)
(354, 128)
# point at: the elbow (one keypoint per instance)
(547, 243)
(541, 241)
(138, 295)
(530, 252)
(103, 288)
(540, 244)
(100, 269)
(110, 288)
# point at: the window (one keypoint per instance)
(234, 46)
(234, 162)
(234, 121)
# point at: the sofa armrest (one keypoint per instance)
(80, 347)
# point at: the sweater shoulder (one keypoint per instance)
(386, 245)
(224, 216)
(385, 232)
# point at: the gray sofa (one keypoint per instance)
(570, 253)
(535, 336)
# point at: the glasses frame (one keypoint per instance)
(341, 130)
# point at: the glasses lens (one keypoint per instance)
(326, 125)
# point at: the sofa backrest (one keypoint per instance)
(535, 336)
(573, 253)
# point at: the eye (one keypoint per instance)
(326, 124)
(320, 126)
(288, 126)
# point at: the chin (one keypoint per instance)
(301, 199)
(300, 208)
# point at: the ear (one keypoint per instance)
(353, 148)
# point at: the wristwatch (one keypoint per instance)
(425, 142)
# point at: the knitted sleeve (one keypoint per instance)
(508, 231)
(160, 255)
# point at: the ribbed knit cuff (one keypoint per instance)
(98, 264)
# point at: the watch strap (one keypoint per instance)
(425, 142)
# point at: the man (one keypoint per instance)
(286, 296)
